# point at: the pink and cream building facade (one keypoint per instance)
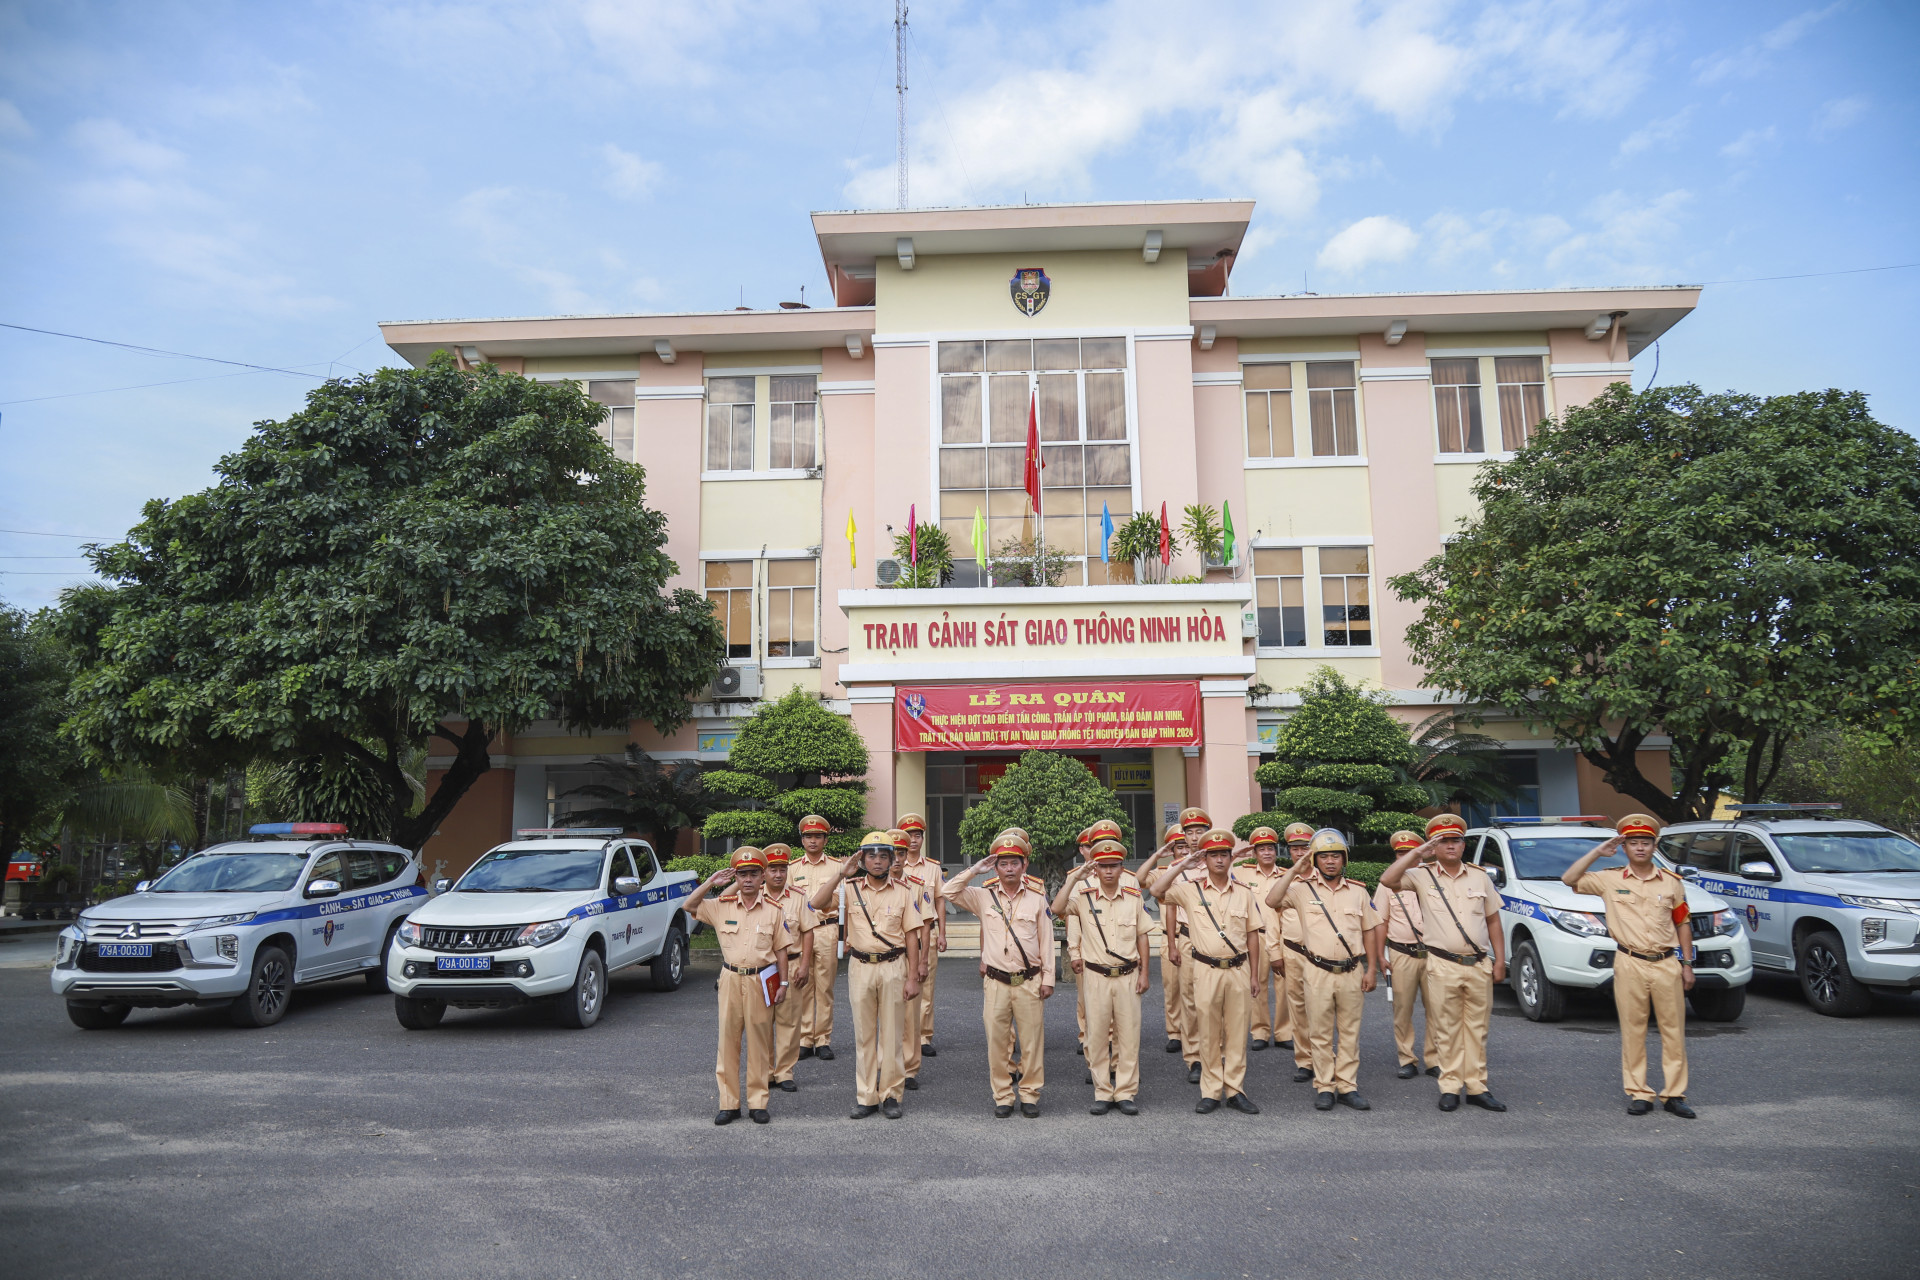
(1342, 432)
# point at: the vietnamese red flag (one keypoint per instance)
(913, 534)
(1166, 537)
(1034, 464)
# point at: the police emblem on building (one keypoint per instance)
(916, 705)
(1030, 290)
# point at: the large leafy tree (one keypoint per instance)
(418, 554)
(639, 793)
(38, 769)
(1726, 570)
(1054, 797)
(791, 758)
(1341, 761)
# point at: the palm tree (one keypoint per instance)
(134, 806)
(1452, 762)
(639, 793)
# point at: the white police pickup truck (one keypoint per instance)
(549, 914)
(1557, 939)
(240, 925)
(1834, 902)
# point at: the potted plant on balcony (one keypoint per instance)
(1137, 542)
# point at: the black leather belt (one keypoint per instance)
(876, 957)
(1651, 957)
(1331, 966)
(795, 955)
(1180, 931)
(1417, 950)
(1011, 979)
(1113, 970)
(1211, 962)
(748, 969)
(1469, 961)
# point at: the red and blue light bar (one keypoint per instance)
(298, 829)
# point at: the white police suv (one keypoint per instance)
(1832, 901)
(1557, 939)
(549, 914)
(240, 925)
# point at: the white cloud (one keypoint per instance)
(1839, 113)
(12, 123)
(1370, 240)
(626, 174)
(1748, 143)
(504, 225)
(114, 145)
(1656, 133)
(1624, 238)
(1751, 59)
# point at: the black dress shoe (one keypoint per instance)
(824, 1052)
(1128, 1107)
(1676, 1106)
(1355, 1101)
(726, 1117)
(1031, 1110)
(1449, 1102)
(1173, 1046)
(890, 1108)
(1080, 1050)
(759, 1116)
(1302, 1074)
(1100, 1108)
(1487, 1102)
(1408, 1070)
(1241, 1102)
(1089, 1077)
(1193, 1073)
(1206, 1105)
(786, 1086)
(862, 1111)
(1003, 1110)
(1014, 1076)
(1638, 1107)
(806, 1051)
(1257, 1045)
(1324, 1102)
(929, 1050)
(1283, 1044)
(1434, 1072)
(913, 1082)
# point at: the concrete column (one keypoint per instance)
(909, 782)
(1223, 757)
(1169, 787)
(873, 721)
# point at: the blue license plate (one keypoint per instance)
(125, 950)
(463, 962)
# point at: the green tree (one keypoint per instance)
(1137, 542)
(934, 565)
(1727, 570)
(639, 793)
(1339, 761)
(1017, 562)
(38, 768)
(792, 758)
(1200, 527)
(418, 554)
(1054, 797)
(1872, 776)
(1454, 763)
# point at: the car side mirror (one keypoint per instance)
(143, 886)
(624, 885)
(322, 888)
(442, 885)
(1496, 873)
(1688, 873)
(1759, 871)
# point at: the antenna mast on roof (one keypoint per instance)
(900, 88)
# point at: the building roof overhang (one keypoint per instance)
(625, 335)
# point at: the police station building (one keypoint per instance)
(1341, 432)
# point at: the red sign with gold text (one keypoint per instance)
(1018, 717)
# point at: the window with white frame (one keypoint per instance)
(1345, 597)
(1456, 405)
(729, 586)
(793, 427)
(1269, 399)
(729, 424)
(1279, 592)
(1332, 408)
(791, 589)
(616, 394)
(1523, 398)
(1076, 388)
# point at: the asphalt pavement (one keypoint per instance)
(338, 1144)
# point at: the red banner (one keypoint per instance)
(1058, 717)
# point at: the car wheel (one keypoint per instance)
(97, 1017)
(670, 966)
(268, 992)
(1824, 976)
(377, 976)
(1541, 998)
(580, 1007)
(418, 1015)
(1722, 1004)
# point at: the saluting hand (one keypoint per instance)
(720, 878)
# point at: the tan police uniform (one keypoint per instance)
(1459, 912)
(1407, 958)
(1646, 972)
(1331, 953)
(1016, 940)
(1110, 929)
(878, 922)
(1220, 921)
(801, 921)
(1297, 835)
(750, 934)
(816, 1000)
(1270, 1020)
(926, 880)
(1189, 1005)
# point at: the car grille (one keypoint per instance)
(492, 938)
(150, 930)
(164, 959)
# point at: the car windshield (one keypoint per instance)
(234, 873)
(1548, 857)
(1850, 852)
(533, 870)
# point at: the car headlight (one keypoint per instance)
(216, 922)
(412, 935)
(539, 935)
(1586, 924)
(1715, 924)
(1878, 904)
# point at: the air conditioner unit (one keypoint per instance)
(735, 681)
(888, 571)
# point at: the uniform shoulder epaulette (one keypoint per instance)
(1035, 882)
(1127, 888)
(730, 897)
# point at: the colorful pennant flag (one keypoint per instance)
(1034, 463)
(1166, 537)
(979, 538)
(1106, 533)
(913, 535)
(853, 554)
(1226, 546)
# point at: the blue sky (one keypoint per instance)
(263, 183)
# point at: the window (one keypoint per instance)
(730, 592)
(617, 430)
(1523, 398)
(1710, 851)
(1269, 392)
(1331, 409)
(1279, 589)
(643, 861)
(1456, 405)
(790, 595)
(792, 433)
(1075, 389)
(1344, 601)
(729, 424)
(327, 867)
(620, 864)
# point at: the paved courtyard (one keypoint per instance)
(337, 1144)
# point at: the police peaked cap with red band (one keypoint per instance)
(1109, 851)
(815, 825)
(898, 837)
(746, 857)
(1263, 835)
(1446, 824)
(912, 822)
(1009, 844)
(777, 855)
(1195, 817)
(1637, 824)
(1105, 829)
(1217, 842)
(1299, 832)
(1405, 840)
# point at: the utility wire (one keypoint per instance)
(158, 351)
(142, 386)
(42, 533)
(1814, 275)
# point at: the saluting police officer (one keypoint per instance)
(1018, 963)
(801, 921)
(1646, 912)
(1173, 843)
(1270, 1021)
(1229, 972)
(1194, 825)
(923, 897)
(884, 930)
(1340, 949)
(753, 934)
(816, 999)
(1406, 963)
(922, 868)
(1466, 955)
(1112, 926)
(1299, 836)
